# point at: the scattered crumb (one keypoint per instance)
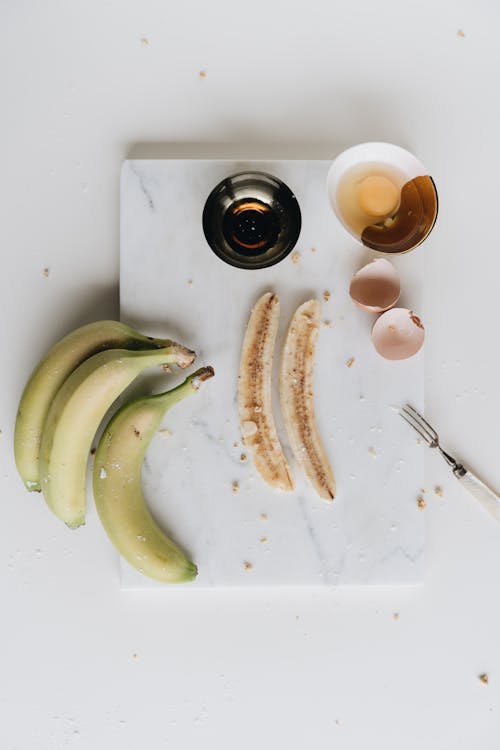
(247, 565)
(419, 441)
(337, 722)
(263, 516)
(103, 473)
(190, 282)
(395, 616)
(372, 452)
(202, 74)
(236, 487)
(438, 491)
(235, 444)
(461, 34)
(326, 295)
(144, 41)
(164, 433)
(484, 678)
(166, 368)
(46, 272)
(422, 491)
(243, 458)
(295, 258)
(350, 361)
(421, 503)
(135, 656)
(137, 432)
(327, 323)
(92, 451)
(313, 249)
(263, 539)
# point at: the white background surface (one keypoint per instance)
(85, 665)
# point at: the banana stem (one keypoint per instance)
(173, 353)
(190, 385)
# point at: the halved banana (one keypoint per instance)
(296, 394)
(254, 393)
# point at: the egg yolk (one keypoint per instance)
(377, 196)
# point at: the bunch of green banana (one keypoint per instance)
(117, 485)
(61, 408)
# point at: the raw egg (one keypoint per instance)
(376, 287)
(383, 195)
(398, 334)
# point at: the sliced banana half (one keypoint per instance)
(254, 393)
(297, 401)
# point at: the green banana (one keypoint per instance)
(50, 374)
(117, 485)
(74, 417)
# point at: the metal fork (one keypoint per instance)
(489, 499)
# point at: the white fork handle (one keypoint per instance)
(488, 499)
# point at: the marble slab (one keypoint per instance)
(172, 284)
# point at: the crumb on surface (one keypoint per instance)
(372, 451)
(263, 517)
(235, 444)
(326, 295)
(461, 33)
(135, 656)
(484, 678)
(243, 458)
(337, 722)
(263, 539)
(395, 616)
(236, 487)
(164, 433)
(46, 272)
(166, 369)
(327, 323)
(350, 361)
(295, 258)
(202, 74)
(144, 41)
(438, 491)
(313, 249)
(421, 503)
(190, 282)
(247, 565)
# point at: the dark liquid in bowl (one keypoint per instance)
(412, 222)
(250, 227)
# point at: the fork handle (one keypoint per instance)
(486, 496)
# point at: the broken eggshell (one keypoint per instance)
(398, 334)
(375, 287)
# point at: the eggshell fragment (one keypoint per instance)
(375, 287)
(398, 334)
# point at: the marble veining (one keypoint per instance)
(171, 284)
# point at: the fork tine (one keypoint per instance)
(419, 429)
(419, 426)
(418, 417)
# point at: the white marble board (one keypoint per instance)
(172, 284)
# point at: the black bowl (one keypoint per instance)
(252, 220)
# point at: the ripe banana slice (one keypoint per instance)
(51, 373)
(75, 415)
(254, 393)
(118, 491)
(296, 395)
